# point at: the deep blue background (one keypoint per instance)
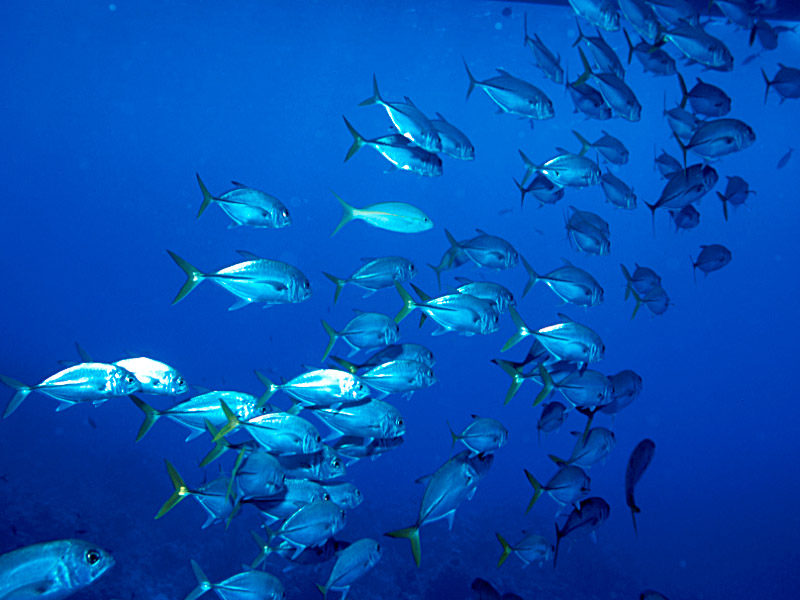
(106, 116)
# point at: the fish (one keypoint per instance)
(588, 232)
(736, 11)
(767, 35)
(568, 486)
(656, 300)
(243, 448)
(653, 59)
(497, 294)
(567, 340)
(355, 448)
(719, 137)
(399, 376)
(247, 207)
(570, 283)
(84, 382)
(455, 142)
(584, 388)
(312, 525)
(279, 433)
(453, 258)
(617, 94)
(194, 412)
(638, 462)
(247, 585)
(323, 465)
(613, 150)
(254, 280)
(320, 387)
(705, 99)
(682, 122)
(451, 484)
(551, 419)
(591, 447)
(409, 121)
(626, 385)
(487, 250)
(482, 436)
(786, 83)
(582, 521)
(295, 494)
(483, 590)
(641, 16)
(364, 331)
(376, 274)
(369, 419)
(618, 192)
(399, 151)
(52, 570)
(675, 12)
(686, 218)
(530, 549)
(513, 95)
(642, 281)
(685, 187)
(544, 190)
(785, 159)
(345, 494)
(258, 475)
(736, 193)
(600, 13)
(460, 313)
(712, 257)
(391, 216)
(154, 376)
(410, 352)
(565, 170)
(605, 59)
(667, 165)
(213, 497)
(588, 100)
(701, 47)
(548, 63)
(352, 563)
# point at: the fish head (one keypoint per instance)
(746, 136)
(609, 18)
(174, 384)
(312, 441)
(333, 466)
(123, 382)
(392, 425)
(405, 271)
(710, 176)
(85, 562)
(353, 388)
(299, 289)
(431, 142)
(466, 152)
(375, 553)
(391, 334)
(490, 321)
(431, 166)
(596, 352)
(281, 217)
(597, 296)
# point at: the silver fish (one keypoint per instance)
(638, 462)
(155, 376)
(364, 331)
(355, 448)
(451, 259)
(544, 190)
(259, 475)
(324, 465)
(51, 570)
(530, 549)
(642, 17)
(415, 352)
(786, 83)
(552, 418)
(248, 207)
(570, 283)
(600, 13)
(627, 386)
(399, 376)
(701, 47)
(248, 585)
(654, 60)
(84, 382)
(588, 101)
(675, 12)
(613, 150)
(345, 494)
(455, 143)
(214, 497)
(667, 165)
(617, 191)
(549, 63)
(376, 274)
(482, 436)
(312, 525)
(705, 99)
(582, 521)
(487, 250)
(254, 280)
(352, 564)
(711, 258)
(686, 218)
(451, 484)
(568, 486)
(590, 448)
(583, 388)
(642, 281)
(565, 170)
(370, 419)
(295, 494)
(720, 137)
(605, 59)
(320, 387)
(495, 293)
(617, 94)
(513, 95)
(461, 313)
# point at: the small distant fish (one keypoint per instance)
(552, 417)
(51, 570)
(786, 83)
(711, 258)
(785, 158)
(514, 95)
(376, 274)
(588, 232)
(482, 436)
(247, 207)
(392, 216)
(617, 192)
(486, 250)
(254, 280)
(570, 283)
(667, 165)
(351, 564)
(242, 586)
(612, 149)
(705, 99)
(584, 520)
(637, 464)
(654, 59)
(626, 386)
(591, 447)
(642, 281)
(686, 218)
(684, 187)
(589, 101)
(531, 548)
(736, 193)
(544, 190)
(767, 35)
(549, 63)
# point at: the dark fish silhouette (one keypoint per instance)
(637, 464)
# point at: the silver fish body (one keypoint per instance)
(248, 207)
(455, 143)
(713, 139)
(376, 274)
(482, 436)
(701, 47)
(155, 376)
(514, 95)
(313, 524)
(600, 13)
(627, 385)
(617, 191)
(323, 465)
(495, 293)
(370, 418)
(345, 494)
(548, 63)
(487, 250)
(565, 170)
(352, 564)
(460, 313)
(570, 283)
(248, 585)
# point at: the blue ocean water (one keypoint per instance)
(108, 110)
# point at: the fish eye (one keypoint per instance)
(130, 379)
(326, 496)
(412, 268)
(305, 285)
(400, 422)
(358, 493)
(378, 547)
(317, 438)
(336, 463)
(285, 213)
(92, 556)
(180, 381)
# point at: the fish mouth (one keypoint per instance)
(107, 564)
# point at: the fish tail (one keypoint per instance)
(630, 44)
(339, 282)
(537, 490)
(203, 585)
(768, 83)
(423, 296)
(346, 364)
(724, 205)
(453, 242)
(653, 208)
(234, 471)
(193, 277)
(207, 197)
(348, 213)
(585, 145)
(507, 549)
(559, 537)
(408, 303)
(220, 446)
(522, 191)
(22, 392)
(530, 166)
(628, 279)
(684, 91)
(412, 535)
(514, 373)
(587, 70)
(559, 461)
(323, 590)
(358, 140)
(151, 415)
(438, 272)
(522, 330)
(472, 80)
(376, 95)
(265, 549)
(233, 422)
(332, 335)
(694, 269)
(683, 148)
(453, 435)
(547, 385)
(181, 490)
(533, 276)
(639, 303)
(271, 389)
(580, 34)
